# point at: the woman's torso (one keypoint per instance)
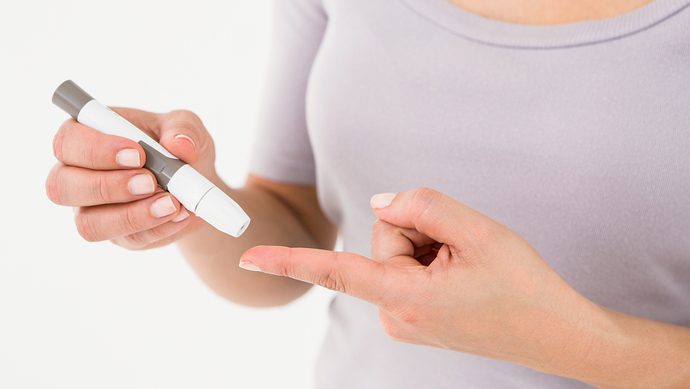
(574, 136)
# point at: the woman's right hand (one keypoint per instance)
(115, 198)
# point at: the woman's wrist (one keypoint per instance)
(615, 350)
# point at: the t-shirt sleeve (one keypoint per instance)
(282, 151)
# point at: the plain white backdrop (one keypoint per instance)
(92, 315)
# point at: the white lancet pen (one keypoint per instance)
(193, 190)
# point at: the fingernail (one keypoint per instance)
(178, 136)
(181, 216)
(141, 184)
(382, 200)
(163, 207)
(249, 266)
(128, 158)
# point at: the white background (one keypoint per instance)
(92, 315)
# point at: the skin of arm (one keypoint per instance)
(631, 352)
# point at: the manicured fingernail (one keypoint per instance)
(128, 158)
(141, 184)
(382, 200)
(181, 216)
(163, 207)
(249, 266)
(178, 136)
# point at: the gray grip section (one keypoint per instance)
(71, 98)
(162, 167)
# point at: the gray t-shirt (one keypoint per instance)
(576, 136)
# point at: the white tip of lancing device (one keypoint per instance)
(222, 212)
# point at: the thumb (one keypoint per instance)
(343, 272)
(184, 135)
(430, 212)
(180, 132)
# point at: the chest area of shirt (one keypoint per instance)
(395, 104)
(410, 80)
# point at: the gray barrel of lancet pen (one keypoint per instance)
(71, 98)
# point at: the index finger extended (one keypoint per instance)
(78, 145)
(343, 272)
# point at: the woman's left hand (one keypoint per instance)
(444, 275)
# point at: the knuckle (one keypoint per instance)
(424, 199)
(155, 234)
(130, 221)
(59, 140)
(289, 270)
(101, 189)
(134, 241)
(483, 233)
(92, 151)
(85, 227)
(185, 128)
(186, 121)
(378, 227)
(376, 232)
(52, 186)
(185, 115)
(333, 280)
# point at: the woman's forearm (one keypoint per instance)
(632, 352)
(612, 350)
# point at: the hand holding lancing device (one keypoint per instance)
(444, 275)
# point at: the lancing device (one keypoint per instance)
(193, 190)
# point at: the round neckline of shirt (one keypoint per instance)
(499, 33)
